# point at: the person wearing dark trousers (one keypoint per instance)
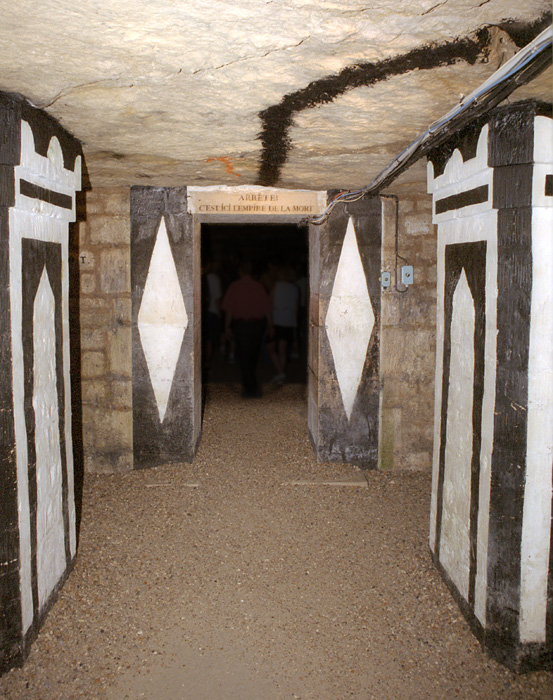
(247, 310)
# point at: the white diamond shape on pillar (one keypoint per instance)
(349, 320)
(162, 319)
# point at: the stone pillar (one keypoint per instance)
(493, 443)
(105, 323)
(40, 172)
(344, 328)
(408, 332)
(165, 268)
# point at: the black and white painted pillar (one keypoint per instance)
(40, 172)
(493, 438)
(344, 328)
(165, 279)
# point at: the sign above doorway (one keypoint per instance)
(255, 201)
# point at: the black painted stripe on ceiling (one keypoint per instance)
(549, 185)
(278, 119)
(477, 195)
(58, 199)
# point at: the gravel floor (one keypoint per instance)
(226, 580)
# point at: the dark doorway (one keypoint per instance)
(272, 250)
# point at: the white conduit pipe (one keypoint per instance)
(509, 72)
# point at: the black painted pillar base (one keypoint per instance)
(165, 278)
(492, 488)
(344, 334)
(40, 172)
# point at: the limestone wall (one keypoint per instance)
(105, 319)
(408, 335)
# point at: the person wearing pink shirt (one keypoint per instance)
(247, 310)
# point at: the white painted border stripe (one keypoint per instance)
(440, 286)
(455, 539)
(536, 523)
(465, 230)
(18, 223)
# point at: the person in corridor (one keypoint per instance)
(247, 310)
(285, 304)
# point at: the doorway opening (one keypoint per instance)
(276, 252)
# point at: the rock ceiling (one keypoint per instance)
(295, 93)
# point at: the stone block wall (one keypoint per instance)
(408, 334)
(105, 321)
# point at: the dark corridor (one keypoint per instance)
(270, 248)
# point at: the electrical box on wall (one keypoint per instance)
(386, 279)
(407, 275)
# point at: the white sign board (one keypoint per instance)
(255, 201)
